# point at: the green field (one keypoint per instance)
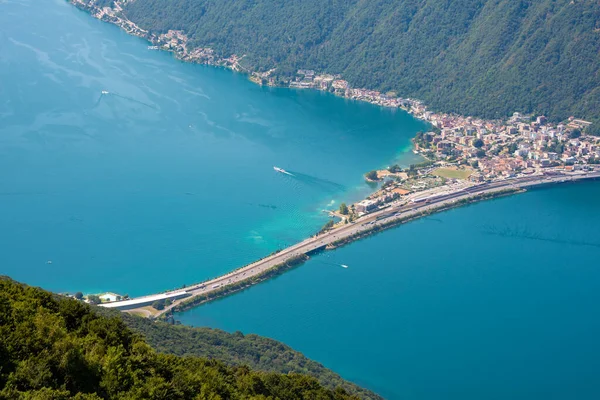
(453, 173)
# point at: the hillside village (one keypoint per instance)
(523, 143)
(461, 151)
(456, 149)
(464, 151)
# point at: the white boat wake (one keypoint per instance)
(334, 264)
(283, 171)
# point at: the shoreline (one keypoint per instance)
(495, 148)
(457, 141)
(395, 223)
(175, 42)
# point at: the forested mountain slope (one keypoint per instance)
(477, 57)
(234, 349)
(58, 348)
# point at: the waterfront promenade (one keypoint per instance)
(410, 208)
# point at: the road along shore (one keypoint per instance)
(393, 215)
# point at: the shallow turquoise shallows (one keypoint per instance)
(168, 178)
(498, 300)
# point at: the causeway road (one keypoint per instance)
(414, 207)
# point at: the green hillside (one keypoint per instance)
(478, 57)
(58, 348)
(234, 349)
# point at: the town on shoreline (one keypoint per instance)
(460, 153)
(490, 149)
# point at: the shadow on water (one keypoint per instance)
(99, 100)
(125, 98)
(322, 184)
(524, 233)
(135, 101)
(433, 219)
(270, 206)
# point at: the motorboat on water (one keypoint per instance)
(283, 171)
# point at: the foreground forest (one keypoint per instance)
(234, 349)
(484, 58)
(59, 348)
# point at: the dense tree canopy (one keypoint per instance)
(343, 209)
(372, 175)
(57, 348)
(475, 57)
(257, 352)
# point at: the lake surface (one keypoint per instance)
(498, 300)
(168, 179)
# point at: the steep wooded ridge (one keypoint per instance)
(59, 348)
(234, 349)
(485, 58)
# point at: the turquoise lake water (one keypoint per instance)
(168, 180)
(498, 300)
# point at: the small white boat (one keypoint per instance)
(105, 92)
(283, 171)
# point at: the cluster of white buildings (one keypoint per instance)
(504, 148)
